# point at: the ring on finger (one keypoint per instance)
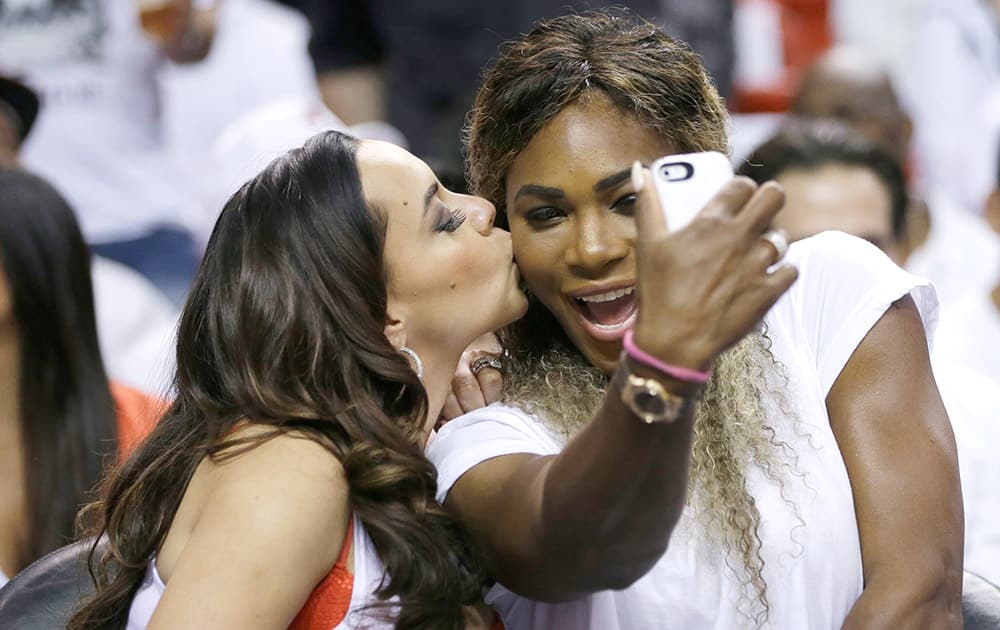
(485, 361)
(778, 240)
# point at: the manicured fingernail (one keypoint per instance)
(638, 181)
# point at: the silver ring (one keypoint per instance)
(779, 240)
(487, 360)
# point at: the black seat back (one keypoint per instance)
(45, 593)
(980, 603)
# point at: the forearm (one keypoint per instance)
(612, 497)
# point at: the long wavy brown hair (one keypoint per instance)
(284, 328)
(660, 82)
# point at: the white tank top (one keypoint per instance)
(368, 572)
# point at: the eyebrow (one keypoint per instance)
(539, 191)
(611, 181)
(431, 191)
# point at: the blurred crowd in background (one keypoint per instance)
(879, 118)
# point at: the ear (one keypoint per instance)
(395, 332)
(993, 210)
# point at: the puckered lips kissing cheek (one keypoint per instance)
(605, 311)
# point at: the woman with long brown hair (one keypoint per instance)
(287, 484)
(824, 485)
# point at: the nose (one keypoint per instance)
(598, 244)
(481, 214)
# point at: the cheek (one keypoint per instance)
(538, 255)
(473, 267)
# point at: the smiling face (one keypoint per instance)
(451, 272)
(569, 204)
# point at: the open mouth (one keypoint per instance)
(608, 315)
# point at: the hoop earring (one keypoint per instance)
(416, 360)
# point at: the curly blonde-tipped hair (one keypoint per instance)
(657, 79)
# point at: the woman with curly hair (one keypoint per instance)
(287, 485)
(824, 490)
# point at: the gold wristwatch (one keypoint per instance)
(649, 399)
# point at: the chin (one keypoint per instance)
(602, 355)
(522, 306)
(516, 307)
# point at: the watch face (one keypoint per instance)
(650, 401)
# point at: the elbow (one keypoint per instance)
(938, 605)
(624, 577)
(942, 597)
(618, 565)
(634, 564)
(940, 592)
(585, 564)
(930, 599)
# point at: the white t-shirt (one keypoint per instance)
(97, 137)
(813, 566)
(970, 335)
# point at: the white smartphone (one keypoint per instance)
(686, 182)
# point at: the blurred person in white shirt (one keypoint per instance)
(970, 331)
(952, 75)
(95, 65)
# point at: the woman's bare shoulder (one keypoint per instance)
(297, 457)
(287, 487)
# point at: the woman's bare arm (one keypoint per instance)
(897, 443)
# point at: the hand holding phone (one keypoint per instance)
(685, 183)
(702, 287)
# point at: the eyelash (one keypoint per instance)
(455, 220)
(542, 215)
(627, 200)
(549, 214)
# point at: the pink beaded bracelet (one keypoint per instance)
(680, 373)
